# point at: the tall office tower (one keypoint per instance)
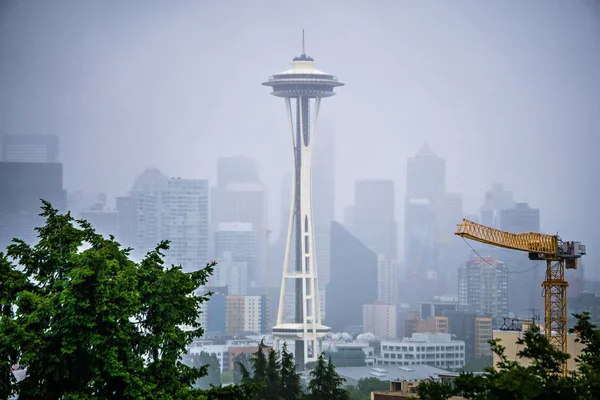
(374, 216)
(349, 218)
(125, 232)
(323, 189)
(380, 320)
(353, 280)
(29, 148)
(429, 214)
(323, 183)
(307, 86)
(483, 287)
(419, 251)
(450, 252)
(496, 199)
(22, 185)
(525, 276)
(238, 169)
(387, 280)
(239, 196)
(237, 251)
(426, 176)
(171, 209)
(231, 274)
(245, 202)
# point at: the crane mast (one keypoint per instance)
(558, 256)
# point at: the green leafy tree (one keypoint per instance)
(365, 386)
(588, 370)
(290, 379)
(213, 369)
(541, 379)
(86, 321)
(435, 391)
(325, 382)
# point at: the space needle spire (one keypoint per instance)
(302, 87)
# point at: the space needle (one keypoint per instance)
(302, 86)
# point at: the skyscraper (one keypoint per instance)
(29, 148)
(483, 287)
(237, 169)
(244, 202)
(307, 86)
(171, 209)
(22, 185)
(374, 216)
(431, 214)
(524, 275)
(353, 280)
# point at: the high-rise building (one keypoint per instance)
(483, 287)
(431, 216)
(349, 218)
(232, 274)
(353, 280)
(237, 242)
(496, 199)
(323, 182)
(29, 148)
(171, 209)
(22, 185)
(246, 315)
(380, 320)
(307, 86)
(419, 250)
(244, 202)
(387, 281)
(374, 216)
(426, 176)
(525, 276)
(237, 169)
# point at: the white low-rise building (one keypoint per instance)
(434, 349)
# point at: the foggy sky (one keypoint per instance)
(505, 91)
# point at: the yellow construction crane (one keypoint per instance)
(558, 256)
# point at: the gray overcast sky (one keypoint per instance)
(506, 91)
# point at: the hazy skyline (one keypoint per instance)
(505, 91)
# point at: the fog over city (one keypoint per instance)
(339, 199)
(506, 92)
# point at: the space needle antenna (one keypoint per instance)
(303, 48)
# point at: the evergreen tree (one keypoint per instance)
(86, 321)
(290, 379)
(259, 363)
(325, 382)
(273, 378)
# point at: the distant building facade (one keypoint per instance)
(353, 271)
(380, 320)
(29, 148)
(171, 209)
(374, 217)
(22, 185)
(483, 287)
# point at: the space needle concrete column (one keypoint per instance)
(302, 87)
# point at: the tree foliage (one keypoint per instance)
(541, 379)
(213, 369)
(85, 321)
(325, 382)
(365, 386)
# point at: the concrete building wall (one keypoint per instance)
(509, 341)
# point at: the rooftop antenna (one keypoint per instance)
(303, 51)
